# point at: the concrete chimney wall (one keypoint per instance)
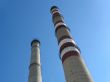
(74, 67)
(35, 65)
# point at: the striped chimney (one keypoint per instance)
(74, 67)
(35, 65)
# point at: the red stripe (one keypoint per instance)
(64, 37)
(69, 54)
(59, 22)
(54, 11)
(67, 44)
(61, 26)
(57, 14)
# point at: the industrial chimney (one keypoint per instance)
(35, 65)
(74, 67)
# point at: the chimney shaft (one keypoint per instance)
(74, 67)
(35, 65)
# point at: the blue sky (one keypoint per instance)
(23, 20)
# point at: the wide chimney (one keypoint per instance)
(35, 65)
(74, 67)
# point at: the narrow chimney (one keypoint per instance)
(74, 67)
(35, 65)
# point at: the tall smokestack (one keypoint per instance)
(35, 65)
(74, 68)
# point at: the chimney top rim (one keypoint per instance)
(53, 8)
(35, 40)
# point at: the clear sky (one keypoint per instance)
(23, 20)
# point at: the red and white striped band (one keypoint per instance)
(65, 41)
(55, 9)
(59, 24)
(55, 12)
(69, 49)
